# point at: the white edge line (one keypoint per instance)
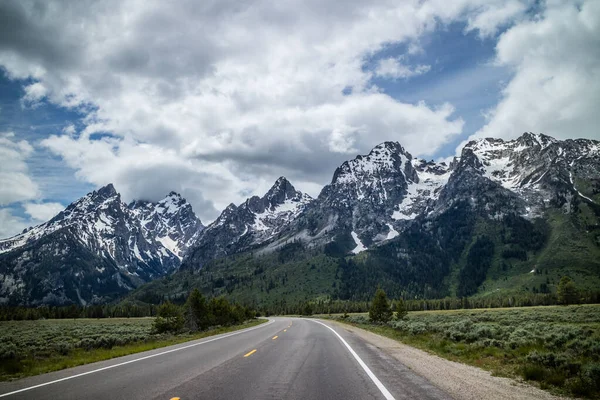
(371, 375)
(136, 360)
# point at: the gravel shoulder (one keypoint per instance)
(459, 380)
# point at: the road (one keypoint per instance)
(286, 358)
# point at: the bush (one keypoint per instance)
(579, 386)
(169, 318)
(591, 374)
(533, 372)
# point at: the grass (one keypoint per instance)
(556, 347)
(36, 347)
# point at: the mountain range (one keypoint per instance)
(504, 216)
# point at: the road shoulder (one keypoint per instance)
(459, 380)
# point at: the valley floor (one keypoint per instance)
(30, 348)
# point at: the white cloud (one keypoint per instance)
(493, 16)
(34, 94)
(42, 212)
(217, 99)
(556, 83)
(392, 67)
(10, 224)
(15, 183)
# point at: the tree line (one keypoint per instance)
(125, 310)
(219, 311)
(199, 314)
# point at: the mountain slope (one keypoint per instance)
(96, 249)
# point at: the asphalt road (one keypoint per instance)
(287, 358)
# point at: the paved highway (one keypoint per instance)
(286, 358)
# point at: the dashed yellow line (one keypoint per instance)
(250, 353)
(175, 398)
(285, 330)
(275, 337)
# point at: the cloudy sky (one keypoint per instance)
(216, 99)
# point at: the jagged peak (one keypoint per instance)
(106, 191)
(392, 146)
(526, 140)
(281, 190)
(529, 139)
(385, 156)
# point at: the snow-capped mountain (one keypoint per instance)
(256, 221)
(96, 247)
(485, 222)
(373, 198)
(171, 222)
(532, 173)
(370, 199)
(407, 211)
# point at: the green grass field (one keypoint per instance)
(557, 347)
(36, 347)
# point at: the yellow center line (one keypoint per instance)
(285, 330)
(175, 398)
(275, 337)
(249, 354)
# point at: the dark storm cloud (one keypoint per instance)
(21, 33)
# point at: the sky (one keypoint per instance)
(217, 99)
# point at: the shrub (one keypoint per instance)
(169, 318)
(579, 386)
(8, 351)
(62, 348)
(533, 372)
(591, 374)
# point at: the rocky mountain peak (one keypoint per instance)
(106, 191)
(530, 139)
(387, 157)
(257, 220)
(281, 191)
(388, 147)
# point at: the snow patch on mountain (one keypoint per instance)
(422, 191)
(359, 246)
(578, 192)
(392, 233)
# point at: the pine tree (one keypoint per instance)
(197, 316)
(380, 310)
(400, 310)
(567, 291)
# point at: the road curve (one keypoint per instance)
(286, 358)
